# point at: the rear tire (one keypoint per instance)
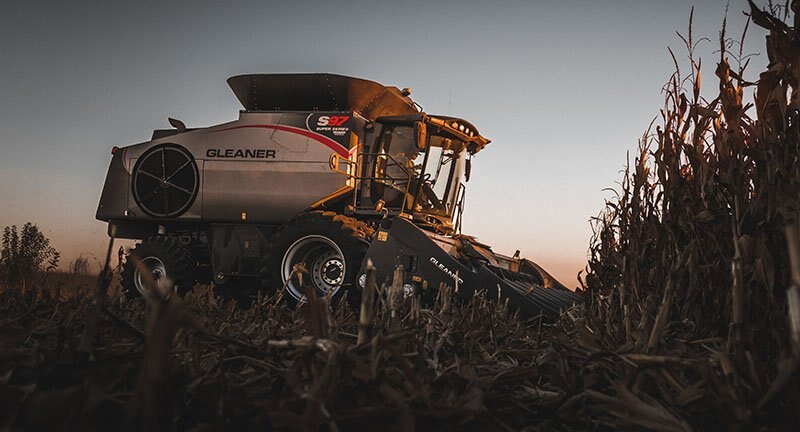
(330, 245)
(164, 257)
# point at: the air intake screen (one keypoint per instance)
(165, 181)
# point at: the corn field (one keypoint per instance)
(691, 318)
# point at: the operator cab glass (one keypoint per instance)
(419, 177)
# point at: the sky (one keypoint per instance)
(564, 89)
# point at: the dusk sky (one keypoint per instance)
(564, 90)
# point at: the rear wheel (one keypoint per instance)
(161, 257)
(321, 250)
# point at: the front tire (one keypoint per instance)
(329, 245)
(163, 257)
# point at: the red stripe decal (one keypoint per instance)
(333, 145)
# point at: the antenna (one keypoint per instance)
(450, 102)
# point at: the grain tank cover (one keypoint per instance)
(319, 92)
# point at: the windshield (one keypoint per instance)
(401, 166)
(443, 176)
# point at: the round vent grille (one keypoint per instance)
(165, 181)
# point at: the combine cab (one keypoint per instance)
(319, 175)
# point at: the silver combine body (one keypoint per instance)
(262, 168)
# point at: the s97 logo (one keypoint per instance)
(332, 120)
(325, 124)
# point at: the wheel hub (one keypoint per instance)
(323, 260)
(332, 271)
(148, 275)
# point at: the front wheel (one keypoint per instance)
(317, 250)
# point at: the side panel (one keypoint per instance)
(267, 168)
(264, 192)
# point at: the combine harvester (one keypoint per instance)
(322, 173)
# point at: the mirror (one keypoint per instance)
(467, 169)
(421, 131)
